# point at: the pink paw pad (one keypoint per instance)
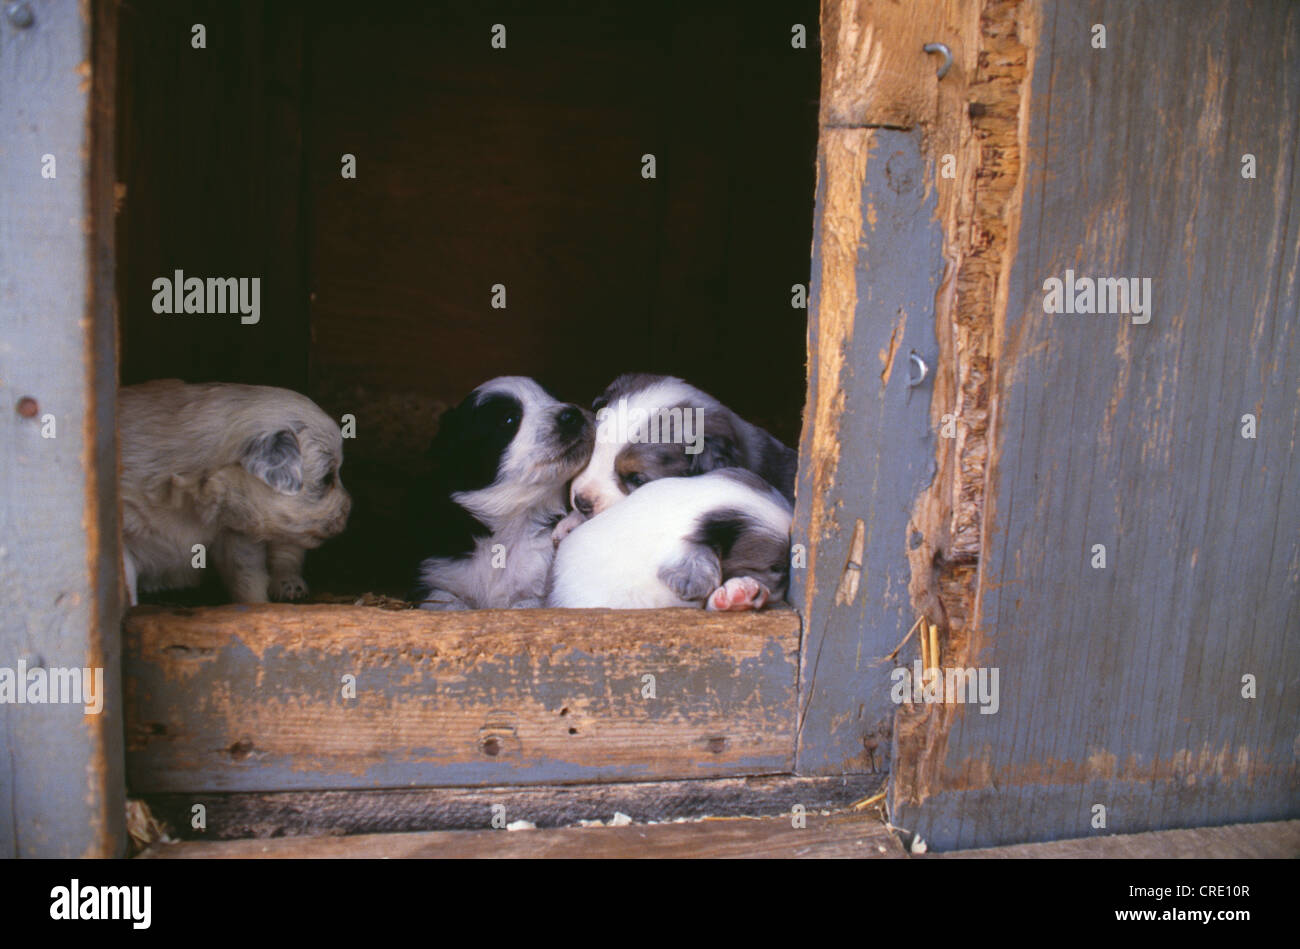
(738, 593)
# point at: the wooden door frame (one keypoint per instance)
(61, 770)
(872, 173)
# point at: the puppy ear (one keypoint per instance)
(721, 446)
(719, 452)
(276, 458)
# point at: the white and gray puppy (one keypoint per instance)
(650, 427)
(502, 460)
(249, 472)
(720, 539)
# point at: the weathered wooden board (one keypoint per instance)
(61, 789)
(1270, 840)
(1122, 686)
(252, 698)
(876, 72)
(836, 836)
(868, 448)
(401, 810)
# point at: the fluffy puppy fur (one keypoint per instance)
(634, 415)
(502, 460)
(721, 540)
(250, 472)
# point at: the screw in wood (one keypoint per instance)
(20, 14)
(922, 370)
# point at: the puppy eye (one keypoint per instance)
(510, 421)
(635, 479)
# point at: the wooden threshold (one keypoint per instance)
(281, 697)
(837, 836)
(234, 816)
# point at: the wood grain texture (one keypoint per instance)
(875, 71)
(980, 131)
(250, 698)
(1270, 840)
(1123, 686)
(867, 449)
(973, 146)
(397, 810)
(836, 836)
(57, 540)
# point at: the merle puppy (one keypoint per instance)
(502, 460)
(651, 427)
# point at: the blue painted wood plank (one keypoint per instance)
(61, 788)
(244, 698)
(868, 448)
(1122, 686)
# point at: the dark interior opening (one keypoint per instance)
(475, 166)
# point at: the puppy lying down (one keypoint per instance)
(249, 472)
(652, 427)
(721, 540)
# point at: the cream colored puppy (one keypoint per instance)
(249, 472)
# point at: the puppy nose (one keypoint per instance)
(583, 504)
(570, 420)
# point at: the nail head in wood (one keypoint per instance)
(20, 14)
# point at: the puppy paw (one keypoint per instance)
(738, 593)
(288, 588)
(694, 576)
(565, 527)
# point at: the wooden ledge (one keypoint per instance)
(280, 697)
(241, 815)
(336, 628)
(839, 835)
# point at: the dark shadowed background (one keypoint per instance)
(475, 166)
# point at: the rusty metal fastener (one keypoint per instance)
(943, 50)
(27, 407)
(20, 14)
